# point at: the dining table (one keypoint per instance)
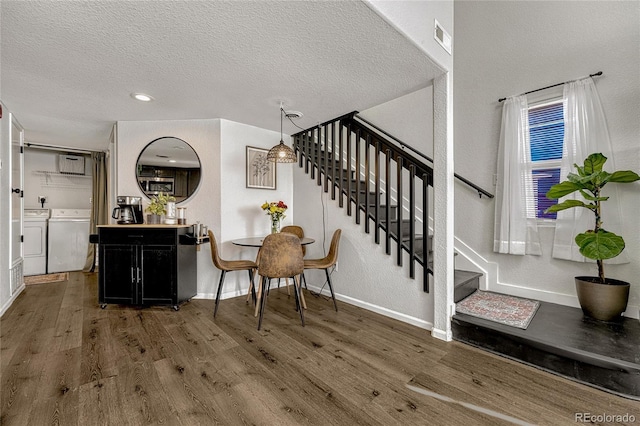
(257, 242)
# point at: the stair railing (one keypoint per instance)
(354, 162)
(480, 191)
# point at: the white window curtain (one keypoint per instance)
(585, 133)
(514, 232)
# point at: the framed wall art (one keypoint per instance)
(261, 173)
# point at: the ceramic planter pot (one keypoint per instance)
(604, 302)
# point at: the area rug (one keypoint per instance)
(48, 278)
(508, 310)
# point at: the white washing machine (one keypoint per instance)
(35, 241)
(68, 239)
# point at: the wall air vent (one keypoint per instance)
(71, 164)
(442, 37)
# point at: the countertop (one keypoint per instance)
(144, 225)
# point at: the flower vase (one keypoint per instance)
(275, 225)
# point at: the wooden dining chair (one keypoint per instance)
(228, 266)
(327, 262)
(280, 257)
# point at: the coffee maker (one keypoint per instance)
(129, 210)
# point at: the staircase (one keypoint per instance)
(383, 180)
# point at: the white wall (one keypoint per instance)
(222, 200)
(241, 212)
(366, 275)
(408, 118)
(5, 213)
(416, 20)
(61, 191)
(506, 48)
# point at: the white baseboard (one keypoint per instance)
(11, 299)
(442, 334)
(365, 305)
(378, 309)
(224, 295)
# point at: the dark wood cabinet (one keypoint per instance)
(146, 265)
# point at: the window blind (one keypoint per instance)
(546, 137)
(546, 132)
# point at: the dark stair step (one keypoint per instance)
(465, 284)
(382, 211)
(405, 227)
(561, 340)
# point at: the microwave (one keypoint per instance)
(154, 186)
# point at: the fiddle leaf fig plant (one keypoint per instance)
(597, 243)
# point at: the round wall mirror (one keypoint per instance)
(168, 165)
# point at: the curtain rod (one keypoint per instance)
(58, 148)
(554, 85)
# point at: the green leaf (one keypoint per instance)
(600, 245)
(572, 177)
(579, 169)
(591, 197)
(567, 204)
(561, 189)
(594, 163)
(624, 176)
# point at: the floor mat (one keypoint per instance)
(48, 278)
(501, 308)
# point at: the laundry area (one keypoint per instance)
(57, 211)
(56, 240)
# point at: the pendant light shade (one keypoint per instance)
(281, 153)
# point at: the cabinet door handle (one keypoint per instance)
(139, 275)
(133, 276)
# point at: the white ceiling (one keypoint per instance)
(68, 68)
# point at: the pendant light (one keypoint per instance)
(281, 153)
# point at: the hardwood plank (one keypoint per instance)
(266, 384)
(144, 401)
(99, 356)
(187, 395)
(20, 381)
(100, 403)
(57, 398)
(60, 375)
(54, 411)
(25, 318)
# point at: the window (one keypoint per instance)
(546, 136)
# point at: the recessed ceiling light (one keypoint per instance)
(172, 161)
(142, 97)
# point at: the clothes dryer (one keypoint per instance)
(35, 241)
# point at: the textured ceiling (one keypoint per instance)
(68, 68)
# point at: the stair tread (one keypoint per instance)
(462, 277)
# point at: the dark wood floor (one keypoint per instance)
(65, 361)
